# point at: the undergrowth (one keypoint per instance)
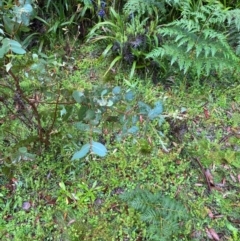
(91, 149)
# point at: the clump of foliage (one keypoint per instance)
(128, 37)
(15, 21)
(196, 39)
(119, 110)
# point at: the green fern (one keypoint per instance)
(161, 213)
(233, 21)
(198, 41)
(142, 7)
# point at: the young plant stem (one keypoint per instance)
(40, 128)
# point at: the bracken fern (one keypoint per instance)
(199, 39)
(142, 7)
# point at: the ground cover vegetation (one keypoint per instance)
(119, 120)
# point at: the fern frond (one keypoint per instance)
(161, 213)
(193, 42)
(233, 18)
(143, 6)
(233, 21)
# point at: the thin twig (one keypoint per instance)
(204, 173)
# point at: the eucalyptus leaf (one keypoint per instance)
(82, 153)
(98, 149)
(77, 95)
(110, 103)
(16, 47)
(8, 25)
(90, 115)
(22, 150)
(143, 108)
(63, 111)
(156, 111)
(129, 96)
(116, 90)
(82, 126)
(104, 92)
(102, 102)
(69, 110)
(3, 51)
(133, 130)
(23, 14)
(82, 112)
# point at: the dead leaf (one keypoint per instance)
(224, 181)
(210, 214)
(233, 178)
(149, 140)
(214, 234)
(206, 113)
(178, 162)
(217, 187)
(218, 216)
(238, 178)
(71, 221)
(26, 206)
(196, 234)
(209, 234)
(209, 176)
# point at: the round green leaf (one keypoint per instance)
(90, 115)
(22, 150)
(82, 112)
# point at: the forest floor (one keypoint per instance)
(54, 198)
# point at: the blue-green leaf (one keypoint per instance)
(116, 90)
(77, 95)
(156, 111)
(82, 153)
(129, 96)
(8, 24)
(99, 149)
(104, 92)
(63, 111)
(82, 126)
(133, 130)
(69, 110)
(12, 45)
(143, 108)
(23, 14)
(90, 115)
(3, 51)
